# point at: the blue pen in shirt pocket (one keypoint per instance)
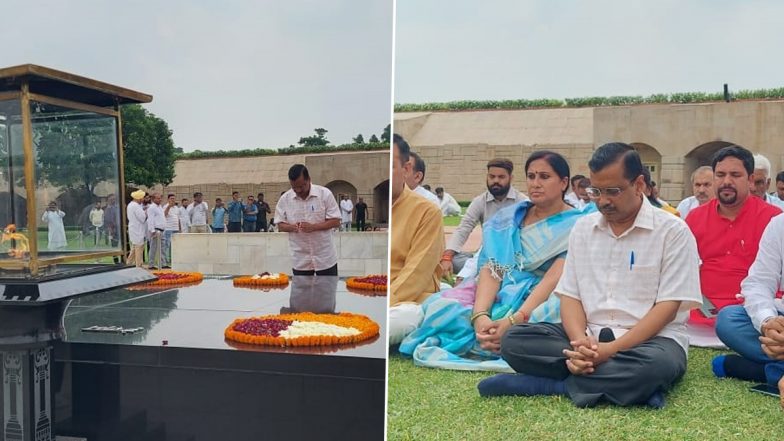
(631, 260)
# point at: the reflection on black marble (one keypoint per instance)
(202, 387)
(196, 316)
(315, 294)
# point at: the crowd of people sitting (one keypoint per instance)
(591, 293)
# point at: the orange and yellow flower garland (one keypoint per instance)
(367, 329)
(374, 282)
(253, 281)
(171, 278)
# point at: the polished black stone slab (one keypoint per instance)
(197, 386)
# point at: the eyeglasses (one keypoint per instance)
(596, 193)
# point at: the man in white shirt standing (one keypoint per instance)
(309, 212)
(630, 277)
(756, 330)
(137, 228)
(702, 186)
(156, 225)
(172, 214)
(417, 176)
(346, 213)
(197, 212)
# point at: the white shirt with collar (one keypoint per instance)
(686, 205)
(482, 208)
(765, 275)
(155, 219)
(137, 223)
(618, 279)
(422, 191)
(315, 250)
(774, 200)
(198, 213)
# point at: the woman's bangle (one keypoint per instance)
(476, 315)
(447, 257)
(511, 319)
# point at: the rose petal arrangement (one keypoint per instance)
(375, 282)
(303, 329)
(263, 279)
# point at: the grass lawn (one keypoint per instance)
(434, 404)
(453, 221)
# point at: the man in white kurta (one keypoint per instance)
(137, 228)
(156, 225)
(53, 217)
(346, 212)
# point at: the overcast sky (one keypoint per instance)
(223, 74)
(464, 49)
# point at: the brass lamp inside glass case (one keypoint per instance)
(61, 174)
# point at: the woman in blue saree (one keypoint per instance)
(523, 250)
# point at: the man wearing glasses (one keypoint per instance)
(629, 280)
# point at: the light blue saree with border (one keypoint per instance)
(519, 257)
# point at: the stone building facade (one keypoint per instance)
(673, 139)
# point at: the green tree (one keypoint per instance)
(373, 139)
(359, 139)
(318, 139)
(149, 148)
(385, 135)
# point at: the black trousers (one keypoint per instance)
(360, 224)
(261, 225)
(629, 377)
(331, 271)
(234, 227)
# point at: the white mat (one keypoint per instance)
(703, 336)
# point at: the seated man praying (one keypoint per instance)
(630, 277)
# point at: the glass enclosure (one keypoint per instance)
(75, 194)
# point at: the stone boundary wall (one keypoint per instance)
(462, 169)
(359, 254)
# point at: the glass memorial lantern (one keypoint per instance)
(62, 200)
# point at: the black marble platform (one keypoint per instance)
(178, 379)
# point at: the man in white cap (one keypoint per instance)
(137, 228)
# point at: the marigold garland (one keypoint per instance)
(257, 281)
(374, 282)
(367, 329)
(171, 278)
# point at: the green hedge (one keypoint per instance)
(596, 101)
(199, 154)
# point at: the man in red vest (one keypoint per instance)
(728, 229)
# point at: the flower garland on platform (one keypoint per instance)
(171, 279)
(294, 329)
(262, 280)
(375, 282)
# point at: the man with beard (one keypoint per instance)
(499, 194)
(728, 229)
(761, 181)
(702, 186)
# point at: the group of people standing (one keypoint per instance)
(153, 223)
(590, 297)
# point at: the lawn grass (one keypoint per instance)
(453, 221)
(435, 404)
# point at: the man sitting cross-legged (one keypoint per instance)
(630, 277)
(756, 329)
